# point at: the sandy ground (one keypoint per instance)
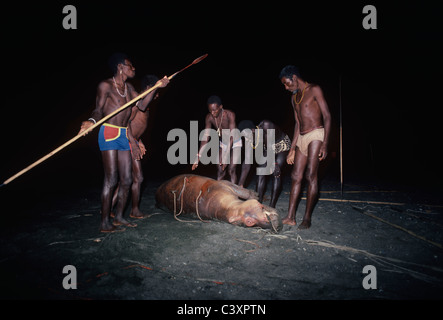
(165, 259)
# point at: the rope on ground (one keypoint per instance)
(364, 201)
(438, 245)
(251, 242)
(383, 260)
(72, 241)
(360, 201)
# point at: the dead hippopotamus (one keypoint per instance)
(212, 199)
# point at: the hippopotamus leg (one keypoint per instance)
(241, 192)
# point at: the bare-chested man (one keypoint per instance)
(310, 141)
(280, 148)
(138, 124)
(220, 119)
(115, 138)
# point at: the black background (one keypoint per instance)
(390, 81)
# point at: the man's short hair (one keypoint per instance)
(289, 71)
(245, 124)
(214, 99)
(148, 80)
(115, 59)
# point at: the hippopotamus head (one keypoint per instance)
(254, 214)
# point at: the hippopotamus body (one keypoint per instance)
(212, 199)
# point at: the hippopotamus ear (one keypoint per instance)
(235, 220)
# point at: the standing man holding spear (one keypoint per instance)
(109, 106)
(115, 138)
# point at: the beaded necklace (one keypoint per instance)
(258, 139)
(218, 126)
(302, 94)
(126, 89)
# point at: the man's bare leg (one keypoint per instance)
(312, 179)
(276, 190)
(124, 163)
(114, 201)
(261, 186)
(277, 186)
(137, 179)
(109, 158)
(232, 172)
(297, 178)
(221, 168)
(241, 192)
(245, 168)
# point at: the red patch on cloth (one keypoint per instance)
(111, 133)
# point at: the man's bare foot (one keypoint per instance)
(123, 222)
(137, 214)
(109, 227)
(305, 224)
(289, 221)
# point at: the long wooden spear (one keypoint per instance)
(140, 96)
(341, 143)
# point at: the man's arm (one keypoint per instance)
(291, 155)
(318, 95)
(100, 101)
(204, 141)
(135, 149)
(143, 103)
(142, 147)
